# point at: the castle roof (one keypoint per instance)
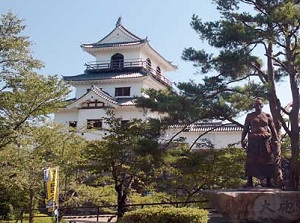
(97, 94)
(102, 76)
(121, 38)
(208, 127)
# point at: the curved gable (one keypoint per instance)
(94, 95)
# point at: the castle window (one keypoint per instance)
(122, 91)
(124, 122)
(72, 125)
(117, 61)
(158, 71)
(148, 64)
(93, 104)
(94, 124)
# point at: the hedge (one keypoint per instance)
(165, 215)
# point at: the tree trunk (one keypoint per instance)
(31, 205)
(294, 119)
(294, 115)
(274, 103)
(122, 200)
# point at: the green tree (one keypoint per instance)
(128, 154)
(22, 162)
(27, 99)
(256, 47)
(186, 173)
(265, 28)
(26, 96)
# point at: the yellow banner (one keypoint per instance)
(51, 188)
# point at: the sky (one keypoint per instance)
(57, 28)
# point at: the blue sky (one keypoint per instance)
(58, 27)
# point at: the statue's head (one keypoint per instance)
(258, 104)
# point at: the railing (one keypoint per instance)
(114, 64)
(78, 214)
(125, 64)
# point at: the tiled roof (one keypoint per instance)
(208, 126)
(126, 101)
(135, 40)
(102, 76)
(95, 90)
(131, 40)
(125, 31)
(103, 94)
(119, 44)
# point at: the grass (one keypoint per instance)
(40, 218)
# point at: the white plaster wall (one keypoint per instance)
(115, 37)
(63, 117)
(128, 54)
(219, 139)
(84, 114)
(130, 114)
(126, 113)
(135, 88)
(81, 90)
(154, 61)
(150, 83)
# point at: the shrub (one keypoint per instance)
(165, 215)
(6, 211)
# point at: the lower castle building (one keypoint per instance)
(124, 65)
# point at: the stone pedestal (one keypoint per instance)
(257, 205)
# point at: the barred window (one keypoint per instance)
(72, 126)
(122, 91)
(94, 123)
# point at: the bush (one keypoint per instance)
(6, 211)
(165, 215)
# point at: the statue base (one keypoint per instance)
(256, 205)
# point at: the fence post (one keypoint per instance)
(98, 213)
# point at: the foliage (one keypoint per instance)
(28, 142)
(269, 28)
(149, 197)
(90, 196)
(42, 218)
(254, 47)
(187, 173)
(229, 167)
(26, 96)
(16, 177)
(128, 154)
(6, 211)
(21, 166)
(180, 108)
(166, 215)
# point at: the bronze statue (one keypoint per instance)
(263, 149)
